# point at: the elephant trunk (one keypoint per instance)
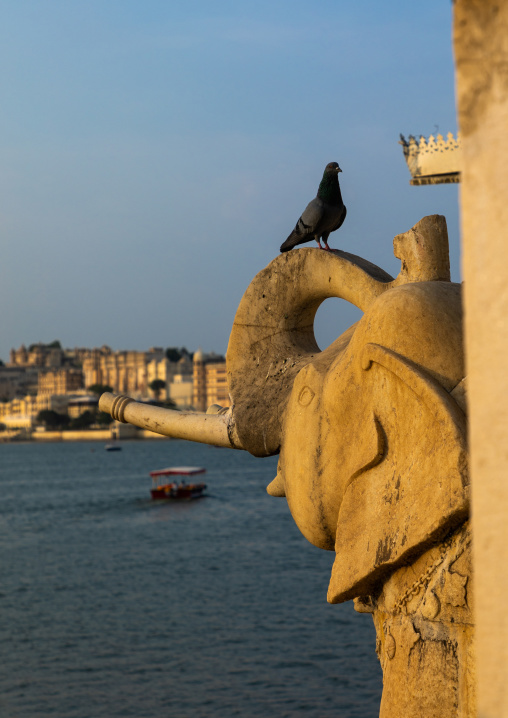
(214, 429)
(272, 337)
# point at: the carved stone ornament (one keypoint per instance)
(433, 161)
(371, 434)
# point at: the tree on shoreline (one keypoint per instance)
(52, 419)
(157, 385)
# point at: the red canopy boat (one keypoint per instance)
(162, 489)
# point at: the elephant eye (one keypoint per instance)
(306, 396)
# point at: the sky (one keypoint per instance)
(155, 154)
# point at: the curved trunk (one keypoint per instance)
(272, 337)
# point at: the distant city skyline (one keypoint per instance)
(154, 156)
(56, 341)
(50, 378)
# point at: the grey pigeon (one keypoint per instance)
(323, 215)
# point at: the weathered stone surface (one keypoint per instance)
(424, 251)
(368, 417)
(481, 57)
(422, 635)
(273, 334)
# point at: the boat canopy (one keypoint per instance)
(178, 470)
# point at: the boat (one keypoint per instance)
(112, 447)
(178, 489)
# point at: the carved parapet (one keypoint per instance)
(433, 161)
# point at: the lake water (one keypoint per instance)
(112, 604)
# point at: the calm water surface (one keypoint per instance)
(114, 605)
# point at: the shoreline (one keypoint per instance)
(98, 435)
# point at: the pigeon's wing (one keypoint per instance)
(341, 219)
(307, 226)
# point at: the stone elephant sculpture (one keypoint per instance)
(372, 439)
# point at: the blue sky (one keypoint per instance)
(155, 154)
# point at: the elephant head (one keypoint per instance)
(371, 431)
(372, 442)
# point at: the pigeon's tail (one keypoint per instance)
(286, 246)
(293, 239)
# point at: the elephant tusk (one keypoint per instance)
(214, 429)
(276, 487)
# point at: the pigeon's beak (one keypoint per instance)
(339, 170)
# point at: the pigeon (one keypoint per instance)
(323, 215)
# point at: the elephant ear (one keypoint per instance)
(417, 489)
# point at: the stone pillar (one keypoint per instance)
(481, 52)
